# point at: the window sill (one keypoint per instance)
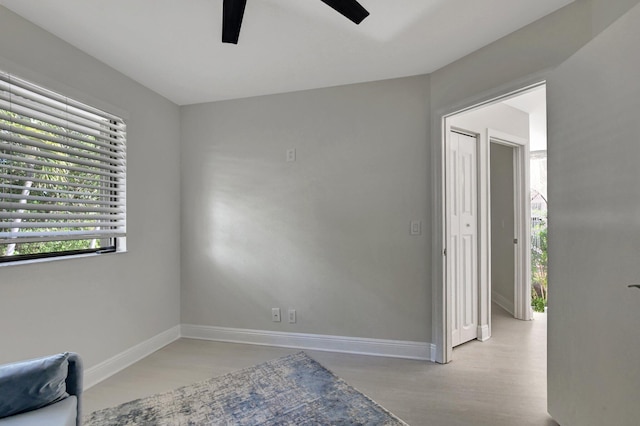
(58, 258)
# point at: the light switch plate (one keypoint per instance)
(416, 227)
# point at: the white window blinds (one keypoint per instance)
(62, 169)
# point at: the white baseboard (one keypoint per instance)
(354, 345)
(108, 368)
(432, 352)
(483, 333)
(503, 302)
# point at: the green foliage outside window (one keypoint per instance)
(539, 269)
(50, 177)
(49, 247)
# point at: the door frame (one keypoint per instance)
(522, 220)
(442, 349)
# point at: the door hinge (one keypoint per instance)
(515, 241)
(444, 252)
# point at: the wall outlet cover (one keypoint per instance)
(275, 314)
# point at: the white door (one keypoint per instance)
(594, 231)
(462, 247)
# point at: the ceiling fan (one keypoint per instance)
(233, 11)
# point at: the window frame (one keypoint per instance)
(109, 189)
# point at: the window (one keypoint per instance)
(62, 174)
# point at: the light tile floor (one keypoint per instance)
(498, 382)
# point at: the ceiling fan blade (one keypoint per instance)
(232, 13)
(349, 8)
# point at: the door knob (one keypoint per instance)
(634, 286)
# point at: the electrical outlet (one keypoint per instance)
(275, 314)
(292, 316)
(291, 154)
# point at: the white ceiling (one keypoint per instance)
(173, 46)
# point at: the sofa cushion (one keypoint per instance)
(61, 413)
(29, 385)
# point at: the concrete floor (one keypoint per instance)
(498, 382)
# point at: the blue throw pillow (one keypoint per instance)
(33, 384)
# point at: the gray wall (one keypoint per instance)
(98, 306)
(523, 57)
(502, 225)
(328, 234)
(533, 49)
(594, 232)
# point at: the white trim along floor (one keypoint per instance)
(498, 382)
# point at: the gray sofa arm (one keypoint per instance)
(74, 381)
(34, 392)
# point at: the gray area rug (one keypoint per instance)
(292, 390)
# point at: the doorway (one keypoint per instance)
(505, 129)
(503, 260)
(510, 218)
